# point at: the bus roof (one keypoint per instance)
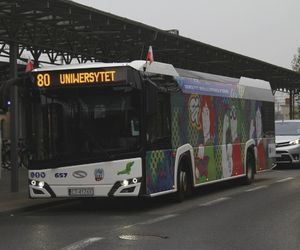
(216, 85)
(248, 85)
(155, 67)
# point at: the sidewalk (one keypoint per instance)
(9, 201)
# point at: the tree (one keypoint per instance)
(296, 67)
(296, 61)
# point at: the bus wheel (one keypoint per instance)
(250, 168)
(183, 184)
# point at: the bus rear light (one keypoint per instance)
(33, 182)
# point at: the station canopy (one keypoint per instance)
(61, 31)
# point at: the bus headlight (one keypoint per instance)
(41, 184)
(125, 183)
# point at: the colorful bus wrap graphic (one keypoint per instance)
(159, 171)
(217, 128)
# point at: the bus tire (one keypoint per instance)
(184, 188)
(250, 168)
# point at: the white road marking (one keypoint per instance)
(82, 244)
(151, 221)
(285, 179)
(128, 226)
(256, 188)
(213, 202)
(128, 237)
(158, 219)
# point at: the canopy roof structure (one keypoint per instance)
(61, 31)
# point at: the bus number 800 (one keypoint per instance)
(43, 80)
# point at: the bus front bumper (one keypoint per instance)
(127, 188)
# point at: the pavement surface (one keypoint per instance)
(13, 201)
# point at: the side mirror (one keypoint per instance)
(151, 98)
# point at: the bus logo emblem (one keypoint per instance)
(99, 174)
(79, 174)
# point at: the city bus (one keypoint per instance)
(144, 129)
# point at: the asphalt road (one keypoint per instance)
(264, 215)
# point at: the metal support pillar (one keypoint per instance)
(14, 119)
(291, 104)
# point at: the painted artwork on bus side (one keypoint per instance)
(159, 171)
(218, 128)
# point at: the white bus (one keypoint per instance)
(140, 129)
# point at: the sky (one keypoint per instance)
(267, 30)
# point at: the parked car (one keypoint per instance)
(287, 142)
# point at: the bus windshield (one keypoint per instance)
(84, 125)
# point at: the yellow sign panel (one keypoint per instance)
(56, 78)
(87, 77)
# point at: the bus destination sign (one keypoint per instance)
(81, 77)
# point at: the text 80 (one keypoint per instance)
(43, 80)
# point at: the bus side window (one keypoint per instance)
(158, 124)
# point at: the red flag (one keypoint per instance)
(29, 66)
(150, 55)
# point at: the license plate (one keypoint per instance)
(81, 192)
